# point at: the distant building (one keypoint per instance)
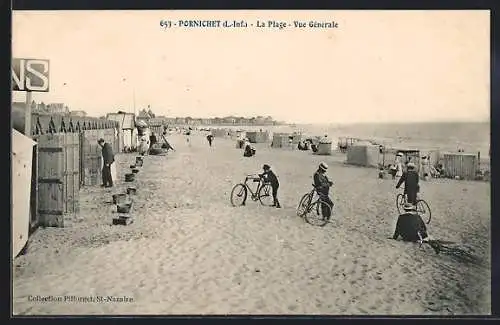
(78, 113)
(169, 120)
(180, 120)
(57, 108)
(229, 120)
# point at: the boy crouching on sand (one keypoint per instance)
(410, 225)
(270, 177)
(411, 228)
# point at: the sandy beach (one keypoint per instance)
(190, 252)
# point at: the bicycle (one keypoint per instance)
(423, 208)
(319, 206)
(263, 193)
(451, 249)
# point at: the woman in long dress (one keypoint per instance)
(399, 165)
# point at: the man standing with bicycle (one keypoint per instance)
(410, 178)
(322, 185)
(270, 177)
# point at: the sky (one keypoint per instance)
(377, 66)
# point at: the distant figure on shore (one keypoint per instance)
(187, 133)
(411, 187)
(440, 170)
(325, 139)
(410, 225)
(381, 172)
(426, 168)
(399, 165)
(392, 170)
(143, 145)
(249, 151)
(322, 185)
(108, 158)
(210, 138)
(303, 145)
(271, 178)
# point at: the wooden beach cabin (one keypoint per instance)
(345, 142)
(324, 146)
(296, 138)
(363, 154)
(126, 129)
(281, 140)
(24, 194)
(409, 154)
(220, 133)
(257, 136)
(463, 165)
(58, 178)
(65, 157)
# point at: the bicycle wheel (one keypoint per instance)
(400, 202)
(318, 213)
(424, 211)
(238, 195)
(303, 204)
(266, 195)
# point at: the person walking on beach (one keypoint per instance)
(210, 138)
(410, 225)
(248, 151)
(410, 178)
(270, 177)
(108, 158)
(399, 165)
(322, 185)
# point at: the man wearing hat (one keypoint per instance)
(410, 178)
(108, 158)
(322, 185)
(271, 178)
(410, 225)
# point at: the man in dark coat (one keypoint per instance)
(270, 177)
(210, 139)
(322, 185)
(410, 225)
(108, 158)
(410, 178)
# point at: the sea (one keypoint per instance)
(472, 137)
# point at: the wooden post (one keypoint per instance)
(27, 115)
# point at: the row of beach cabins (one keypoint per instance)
(367, 153)
(61, 155)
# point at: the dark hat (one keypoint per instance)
(266, 166)
(101, 140)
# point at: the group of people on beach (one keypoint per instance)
(410, 225)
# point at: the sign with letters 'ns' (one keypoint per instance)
(30, 75)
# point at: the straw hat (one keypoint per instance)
(323, 166)
(399, 154)
(410, 165)
(409, 207)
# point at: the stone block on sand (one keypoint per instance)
(123, 220)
